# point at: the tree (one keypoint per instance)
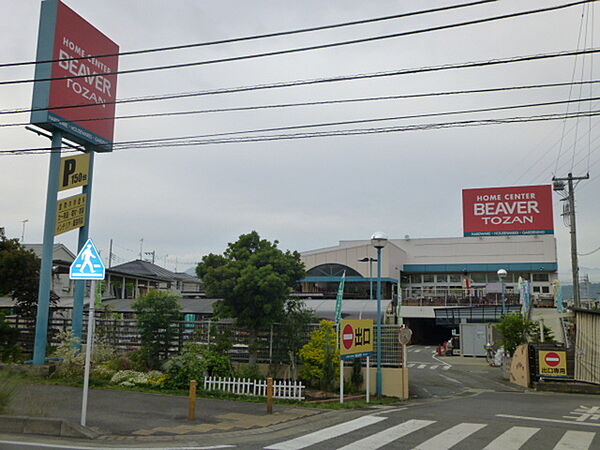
(156, 313)
(292, 332)
(19, 276)
(321, 356)
(253, 278)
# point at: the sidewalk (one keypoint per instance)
(127, 415)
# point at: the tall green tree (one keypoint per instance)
(254, 278)
(157, 313)
(19, 275)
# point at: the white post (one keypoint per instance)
(341, 380)
(368, 386)
(88, 351)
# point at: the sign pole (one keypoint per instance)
(368, 380)
(341, 380)
(88, 350)
(404, 372)
(77, 315)
(45, 286)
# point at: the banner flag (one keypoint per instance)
(339, 299)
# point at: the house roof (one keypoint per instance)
(187, 278)
(144, 269)
(56, 251)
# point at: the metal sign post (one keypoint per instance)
(88, 266)
(404, 337)
(355, 339)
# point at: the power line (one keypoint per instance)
(257, 36)
(339, 78)
(324, 102)
(306, 135)
(308, 48)
(338, 123)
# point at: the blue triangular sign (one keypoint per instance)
(87, 265)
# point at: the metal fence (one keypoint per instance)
(124, 335)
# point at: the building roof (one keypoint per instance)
(188, 305)
(351, 309)
(59, 252)
(144, 269)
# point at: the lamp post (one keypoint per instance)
(501, 276)
(24, 221)
(378, 240)
(370, 261)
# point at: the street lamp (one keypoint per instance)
(370, 261)
(501, 276)
(24, 221)
(378, 240)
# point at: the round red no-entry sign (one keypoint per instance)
(552, 359)
(348, 336)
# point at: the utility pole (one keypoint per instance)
(110, 254)
(153, 253)
(559, 185)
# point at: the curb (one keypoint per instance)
(45, 426)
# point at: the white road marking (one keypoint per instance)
(410, 365)
(435, 366)
(442, 362)
(422, 366)
(417, 350)
(326, 433)
(446, 367)
(543, 419)
(450, 437)
(388, 435)
(450, 379)
(80, 447)
(575, 440)
(511, 439)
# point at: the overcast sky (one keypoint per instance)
(187, 202)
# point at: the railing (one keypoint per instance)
(124, 335)
(286, 389)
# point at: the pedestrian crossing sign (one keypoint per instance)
(88, 265)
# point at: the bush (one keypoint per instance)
(133, 378)
(321, 357)
(73, 355)
(250, 371)
(9, 350)
(188, 365)
(102, 373)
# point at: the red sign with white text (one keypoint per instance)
(508, 211)
(85, 81)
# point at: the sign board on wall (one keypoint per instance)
(508, 211)
(63, 35)
(552, 363)
(356, 338)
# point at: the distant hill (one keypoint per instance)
(567, 290)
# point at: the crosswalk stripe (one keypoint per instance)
(435, 366)
(450, 437)
(422, 366)
(446, 367)
(326, 433)
(417, 350)
(575, 440)
(388, 435)
(410, 365)
(511, 439)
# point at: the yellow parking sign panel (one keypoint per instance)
(74, 171)
(356, 338)
(552, 363)
(70, 213)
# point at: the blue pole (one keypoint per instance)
(379, 374)
(41, 322)
(503, 300)
(77, 316)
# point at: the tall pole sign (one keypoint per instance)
(73, 97)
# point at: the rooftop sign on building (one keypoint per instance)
(75, 89)
(507, 211)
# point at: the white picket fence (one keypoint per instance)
(287, 389)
